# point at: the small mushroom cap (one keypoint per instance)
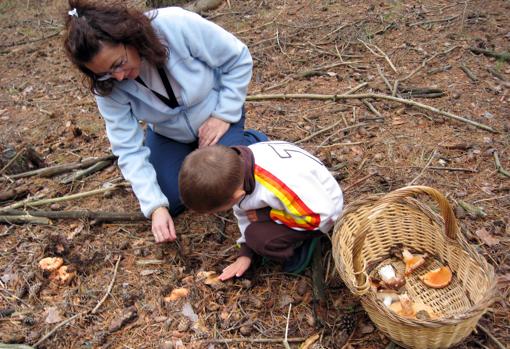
(412, 262)
(437, 278)
(63, 275)
(51, 263)
(176, 294)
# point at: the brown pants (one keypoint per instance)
(276, 241)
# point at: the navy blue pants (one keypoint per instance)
(167, 156)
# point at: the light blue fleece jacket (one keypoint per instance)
(212, 69)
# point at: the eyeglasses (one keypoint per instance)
(115, 69)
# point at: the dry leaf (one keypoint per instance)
(52, 315)
(486, 237)
(176, 294)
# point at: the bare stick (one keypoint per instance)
(503, 56)
(329, 128)
(30, 202)
(24, 219)
(381, 54)
(93, 311)
(58, 169)
(372, 108)
(97, 216)
(86, 172)
(18, 154)
(434, 21)
(469, 73)
(499, 167)
(379, 70)
(370, 95)
(491, 336)
(361, 180)
(424, 63)
(253, 340)
(499, 76)
(63, 323)
(285, 342)
(424, 168)
(356, 88)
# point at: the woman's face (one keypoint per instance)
(118, 62)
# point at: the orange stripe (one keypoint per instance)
(301, 216)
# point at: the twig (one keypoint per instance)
(503, 56)
(458, 169)
(253, 340)
(447, 19)
(59, 169)
(86, 172)
(491, 336)
(499, 76)
(499, 167)
(370, 95)
(63, 323)
(329, 128)
(379, 70)
(356, 88)
(425, 61)
(285, 342)
(93, 311)
(97, 216)
(468, 72)
(15, 346)
(372, 108)
(18, 154)
(361, 180)
(30, 202)
(19, 43)
(439, 70)
(424, 168)
(381, 54)
(24, 219)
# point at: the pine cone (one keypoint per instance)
(34, 290)
(347, 323)
(183, 325)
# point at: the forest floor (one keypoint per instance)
(426, 49)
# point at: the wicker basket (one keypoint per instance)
(362, 239)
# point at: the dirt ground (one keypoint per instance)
(313, 48)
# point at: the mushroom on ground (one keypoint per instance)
(63, 275)
(177, 294)
(51, 263)
(437, 278)
(412, 262)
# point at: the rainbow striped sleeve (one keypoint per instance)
(299, 215)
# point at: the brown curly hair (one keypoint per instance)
(112, 22)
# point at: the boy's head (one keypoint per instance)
(211, 179)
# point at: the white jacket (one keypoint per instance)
(300, 190)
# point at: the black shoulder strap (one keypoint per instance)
(171, 101)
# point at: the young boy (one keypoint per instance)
(282, 197)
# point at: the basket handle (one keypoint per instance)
(451, 228)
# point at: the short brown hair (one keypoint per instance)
(110, 22)
(209, 178)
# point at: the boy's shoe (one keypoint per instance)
(257, 135)
(301, 257)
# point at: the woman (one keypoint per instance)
(184, 76)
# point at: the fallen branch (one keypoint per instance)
(59, 169)
(86, 172)
(370, 95)
(14, 193)
(253, 340)
(498, 75)
(499, 167)
(447, 19)
(24, 219)
(97, 216)
(15, 346)
(491, 336)
(469, 73)
(503, 56)
(31, 202)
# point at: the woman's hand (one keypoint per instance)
(211, 131)
(163, 225)
(236, 269)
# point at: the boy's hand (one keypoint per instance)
(163, 225)
(237, 268)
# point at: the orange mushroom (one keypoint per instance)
(409, 309)
(51, 263)
(177, 294)
(412, 262)
(64, 275)
(437, 278)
